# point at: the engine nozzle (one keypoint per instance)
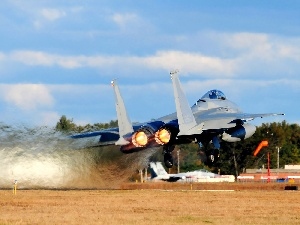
(162, 136)
(139, 139)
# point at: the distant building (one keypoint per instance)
(292, 167)
(290, 173)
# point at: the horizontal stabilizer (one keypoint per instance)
(106, 137)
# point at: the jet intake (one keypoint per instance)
(239, 133)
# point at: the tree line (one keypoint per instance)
(283, 138)
(67, 125)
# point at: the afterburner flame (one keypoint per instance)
(162, 136)
(139, 139)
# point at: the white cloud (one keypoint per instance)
(2, 56)
(38, 58)
(247, 40)
(166, 60)
(289, 51)
(49, 118)
(191, 63)
(263, 46)
(76, 9)
(28, 96)
(52, 14)
(37, 12)
(124, 20)
(247, 54)
(46, 15)
(33, 58)
(131, 24)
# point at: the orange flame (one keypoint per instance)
(162, 136)
(140, 139)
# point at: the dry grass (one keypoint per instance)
(149, 207)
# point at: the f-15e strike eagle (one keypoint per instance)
(211, 119)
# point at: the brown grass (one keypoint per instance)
(146, 206)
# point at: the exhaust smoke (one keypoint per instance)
(44, 158)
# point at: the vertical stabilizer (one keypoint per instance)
(157, 170)
(160, 169)
(186, 119)
(153, 170)
(125, 126)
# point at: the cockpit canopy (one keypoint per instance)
(212, 94)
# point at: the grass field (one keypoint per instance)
(150, 206)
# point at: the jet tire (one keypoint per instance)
(168, 160)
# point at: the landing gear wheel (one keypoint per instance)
(168, 159)
(213, 157)
(202, 157)
(216, 155)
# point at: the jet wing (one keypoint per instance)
(249, 117)
(111, 135)
(106, 136)
(223, 118)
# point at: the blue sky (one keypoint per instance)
(58, 57)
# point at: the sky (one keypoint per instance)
(58, 57)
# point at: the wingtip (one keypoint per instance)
(279, 114)
(173, 72)
(113, 82)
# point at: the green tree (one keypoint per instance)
(65, 124)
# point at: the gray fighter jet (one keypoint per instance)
(158, 172)
(211, 119)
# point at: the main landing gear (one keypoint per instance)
(168, 158)
(208, 155)
(213, 156)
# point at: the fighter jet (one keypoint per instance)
(158, 172)
(212, 119)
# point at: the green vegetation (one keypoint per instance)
(282, 136)
(67, 125)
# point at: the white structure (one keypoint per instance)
(292, 167)
(158, 172)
